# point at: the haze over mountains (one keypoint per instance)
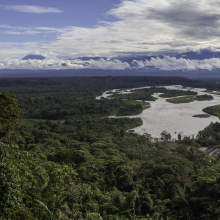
(207, 61)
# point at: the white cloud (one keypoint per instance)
(27, 32)
(107, 64)
(166, 64)
(13, 30)
(162, 25)
(31, 9)
(172, 63)
(17, 49)
(53, 63)
(140, 26)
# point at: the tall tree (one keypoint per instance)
(10, 113)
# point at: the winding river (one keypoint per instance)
(174, 118)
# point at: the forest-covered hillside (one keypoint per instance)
(61, 157)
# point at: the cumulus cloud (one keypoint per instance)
(54, 63)
(162, 25)
(31, 9)
(139, 26)
(166, 63)
(194, 19)
(172, 63)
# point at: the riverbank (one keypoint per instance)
(176, 118)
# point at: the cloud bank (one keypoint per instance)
(166, 63)
(139, 26)
(51, 64)
(172, 63)
(146, 26)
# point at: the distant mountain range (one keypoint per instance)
(34, 57)
(131, 59)
(192, 55)
(201, 55)
(191, 64)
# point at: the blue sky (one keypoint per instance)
(75, 28)
(43, 21)
(86, 13)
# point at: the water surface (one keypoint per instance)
(175, 118)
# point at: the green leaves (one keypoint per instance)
(45, 206)
(10, 189)
(3, 150)
(9, 117)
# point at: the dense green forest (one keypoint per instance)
(61, 157)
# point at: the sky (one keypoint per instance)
(45, 25)
(65, 29)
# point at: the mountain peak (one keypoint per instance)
(34, 57)
(200, 55)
